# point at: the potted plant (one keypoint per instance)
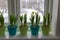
(12, 27)
(34, 26)
(46, 24)
(2, 27)
(23, 26)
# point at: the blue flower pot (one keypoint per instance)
(34, 29)
(12, 30)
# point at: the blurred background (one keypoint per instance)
(26, 6)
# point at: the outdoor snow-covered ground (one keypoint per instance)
(23, 11)
(29, 11)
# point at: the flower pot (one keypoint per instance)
(12, 30)
(23, 30)
(45, 30)
(2, 31)
(34, 29)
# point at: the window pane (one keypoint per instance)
(4, 9)
(28, 6)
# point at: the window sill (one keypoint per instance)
(28, 36)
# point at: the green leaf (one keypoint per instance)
(21, 18)
(25, 18)
(1, 19)
(13, 19)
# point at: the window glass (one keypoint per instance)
(4, 9)
(28, 6)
